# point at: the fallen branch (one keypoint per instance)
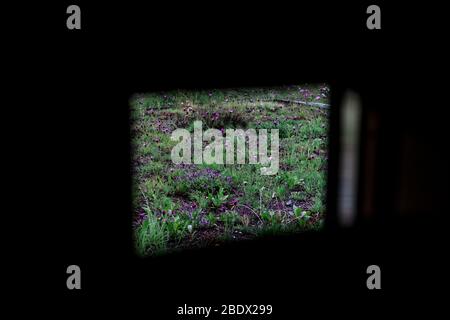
(312, 104)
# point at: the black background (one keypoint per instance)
(74, 156)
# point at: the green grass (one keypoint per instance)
(151, 235)
(181, 206)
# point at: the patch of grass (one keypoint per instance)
(229, 219)
(178, 226)
(218, 199)
(151, 235)
(187, 205)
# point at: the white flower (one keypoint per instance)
(189, 227)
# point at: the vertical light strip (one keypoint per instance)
(350, 126)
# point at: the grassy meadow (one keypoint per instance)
(179, 206)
